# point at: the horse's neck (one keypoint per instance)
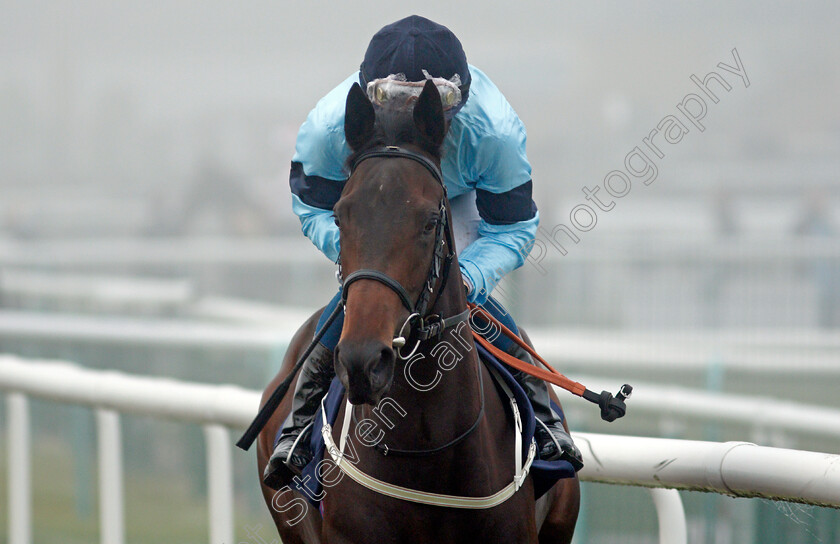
(436, 406)
(440, 392)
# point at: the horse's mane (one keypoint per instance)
(395, 126)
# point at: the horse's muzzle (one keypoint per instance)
(365, 368)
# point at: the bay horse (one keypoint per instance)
(392, 215)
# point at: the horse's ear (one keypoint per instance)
(358, 118)
(428, 115)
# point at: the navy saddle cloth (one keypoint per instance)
(544, 473)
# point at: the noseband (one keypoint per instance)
(425, 326)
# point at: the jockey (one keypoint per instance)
(488, 179)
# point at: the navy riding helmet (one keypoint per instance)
(412, 45)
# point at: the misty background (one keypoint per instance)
(144, 162)
(179, 118)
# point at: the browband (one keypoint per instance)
(396, 152)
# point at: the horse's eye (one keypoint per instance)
(335, 220)
(431, 225)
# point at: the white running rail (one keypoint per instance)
(269, 328)
(216, 407)
(733, 468)
(761, 414)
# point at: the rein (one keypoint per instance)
(425, 327)
(420, 325)
(439, 269)
(612, 407)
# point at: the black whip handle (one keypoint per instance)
(280, 391)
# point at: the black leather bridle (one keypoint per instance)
(422, 325)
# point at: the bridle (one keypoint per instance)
(424, 327)
(419, 325)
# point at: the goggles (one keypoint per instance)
(394, 89)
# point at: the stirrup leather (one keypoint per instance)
(288, 458)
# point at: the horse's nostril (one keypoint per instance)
(386, 359)
(381, 369)
(365, 368)
(387, 355)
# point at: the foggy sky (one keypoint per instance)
(137, 94)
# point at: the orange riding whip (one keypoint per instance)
(612, 407)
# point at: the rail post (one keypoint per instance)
(111, 506)
(671, 516)
(219, 484)
(20, 470)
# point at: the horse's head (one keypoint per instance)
(389, 217)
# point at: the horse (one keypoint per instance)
(457, 438)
